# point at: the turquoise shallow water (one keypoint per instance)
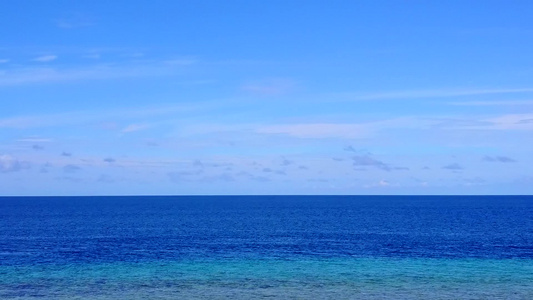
(348, 278)
(266, 247)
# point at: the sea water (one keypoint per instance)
(254, 247)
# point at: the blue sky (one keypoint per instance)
(266, 97)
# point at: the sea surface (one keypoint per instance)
(276, 247)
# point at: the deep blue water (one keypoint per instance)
(346, 247)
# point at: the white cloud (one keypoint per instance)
(45, 58)
(3, 61)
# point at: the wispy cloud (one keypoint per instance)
(74, 20)
(474, 181)
(502, 122)
(69, 24)
(269, 87)
(105, 179)
(502, 159)
(269, 170)
(135, 54)
(359, 161)
(350, 148)
(285, 162)
(41, 121)
(255, 177)
(45, 58)
(71, 179)
(493, 103)
(135, 127)
(181, 61)
(453, 167)
(34, 140)
(382, 184)
(316, 130)
(83, 117)
(71, 168)
(512, 122)
(92, 56)
(224, 177)
(10, 164)
(3, 61)
(181, 176)
(435, 93)
(42, 75)
(367, 161)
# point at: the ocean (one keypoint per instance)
(276, 247)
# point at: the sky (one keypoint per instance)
(266, 97)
